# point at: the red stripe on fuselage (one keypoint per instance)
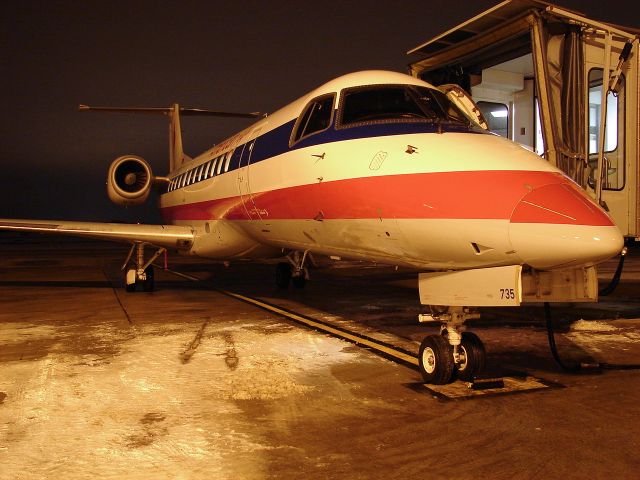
(441, 195)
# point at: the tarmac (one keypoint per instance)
(192, 382)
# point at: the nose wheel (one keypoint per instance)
(436, 360)
(473, 357)
(453, 353)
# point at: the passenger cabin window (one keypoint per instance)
(613, 134)
(315, 118)
(228, 161)
(497, 115)
(396, 104)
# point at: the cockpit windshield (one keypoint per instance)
(395, 104)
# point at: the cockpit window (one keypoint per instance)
(315, 118)
(396, 103)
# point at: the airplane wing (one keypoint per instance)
(167, 236)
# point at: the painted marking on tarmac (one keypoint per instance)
(393, 353)
(452, 391)
(385, 349)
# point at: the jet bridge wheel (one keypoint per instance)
(436, 360)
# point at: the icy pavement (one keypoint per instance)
(164, 405)
(189, 383)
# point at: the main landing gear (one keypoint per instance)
(294, 270)
(140, 273)
(453, 353)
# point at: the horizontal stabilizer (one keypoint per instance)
(168, 236)
(169, 110)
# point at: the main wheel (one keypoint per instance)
(473, 358)
(299, 282)
(130, 281)
(436, 360)
(148, 284)
(283, 275)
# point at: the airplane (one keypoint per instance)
(376, 166)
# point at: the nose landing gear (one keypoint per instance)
(453, 353)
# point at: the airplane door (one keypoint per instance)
(244, 176)
(461, 99)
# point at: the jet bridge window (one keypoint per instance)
(613, 135)
(315, 118)
(394, 104)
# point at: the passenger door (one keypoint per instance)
(244, 175)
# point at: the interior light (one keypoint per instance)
(499, 113)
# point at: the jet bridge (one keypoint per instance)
(562, 84)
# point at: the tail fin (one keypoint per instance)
(176, 153)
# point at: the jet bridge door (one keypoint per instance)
(611, 134)
(589, 124)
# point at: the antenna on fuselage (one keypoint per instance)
(176, 152)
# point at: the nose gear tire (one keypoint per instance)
(436, 360)
(474, 357)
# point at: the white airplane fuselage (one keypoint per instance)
(424, 194)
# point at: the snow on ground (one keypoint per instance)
(596, 335)
(167, 405)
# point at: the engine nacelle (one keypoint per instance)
(129, 180)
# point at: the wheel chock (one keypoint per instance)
(486, 383)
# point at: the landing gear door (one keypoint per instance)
(464, 102)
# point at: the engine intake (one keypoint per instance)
(129, 180)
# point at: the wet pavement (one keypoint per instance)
(187, 382)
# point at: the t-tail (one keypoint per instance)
(176, 152)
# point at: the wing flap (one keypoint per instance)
(168, 236)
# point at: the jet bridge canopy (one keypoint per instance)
(548, 61)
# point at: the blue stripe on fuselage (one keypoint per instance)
(276, 141)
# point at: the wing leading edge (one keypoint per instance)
(167, 236)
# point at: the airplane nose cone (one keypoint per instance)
(557, 226)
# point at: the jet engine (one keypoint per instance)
(129, 180)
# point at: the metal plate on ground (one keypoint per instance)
(462, 390)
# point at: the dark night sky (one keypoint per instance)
(238, 56)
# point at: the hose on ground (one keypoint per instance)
(577, 367)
